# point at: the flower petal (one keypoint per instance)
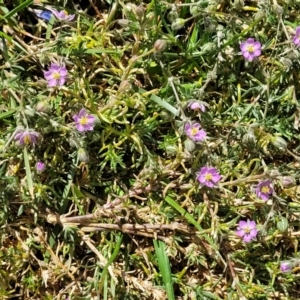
(251, 224)
(242, 224)
(247, 238)
(240, 233)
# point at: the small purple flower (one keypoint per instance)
(84, 121)
(27, 137)
(208, 176)
(296, 37)
(63, 15)
(264, 190)
(247, 230)
(196, 105)
(42, 14)
(56, 75)
(40, 166)
(250, 49)
(194, 133)
(286, 266)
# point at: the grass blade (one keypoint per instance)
(164, 267)
(28, 173)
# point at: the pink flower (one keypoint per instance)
(84, 121)
(196, 105)
(56, 75)
(247, 230)
(250, 49)
(286, 266)
(40, 166)
(264, 190)
(27, 137)
(296, 37)
(208, 176)
(63, 15)
(194, 133)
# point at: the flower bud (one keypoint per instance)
(196, 105)
(123, 22)
(287, 181)
(249, 138)
(172, 15)
(150, 16)
(170, 149)
(189, 145)
(160, 45)
(278, 10)
(178, 24)
(286, 266)
(125, 86)
(129, 7)
(82, 155)
(40, 167)
(140, 11)
(279, 142)
(73, 142)
(186, 186)
(29, 112)
(259, 15)
(43, 107)
(282, 224)
(194, 10)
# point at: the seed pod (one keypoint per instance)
(170, 149)
(82, 155)
(43, 107)
(279, 142)
(287, 180)
(140, 11)
(160, 45)
(29, 112)
(189, 145)
(178, 24)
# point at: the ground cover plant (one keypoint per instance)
(149, 150)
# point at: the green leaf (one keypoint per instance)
(162, 103)
(111, 260)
